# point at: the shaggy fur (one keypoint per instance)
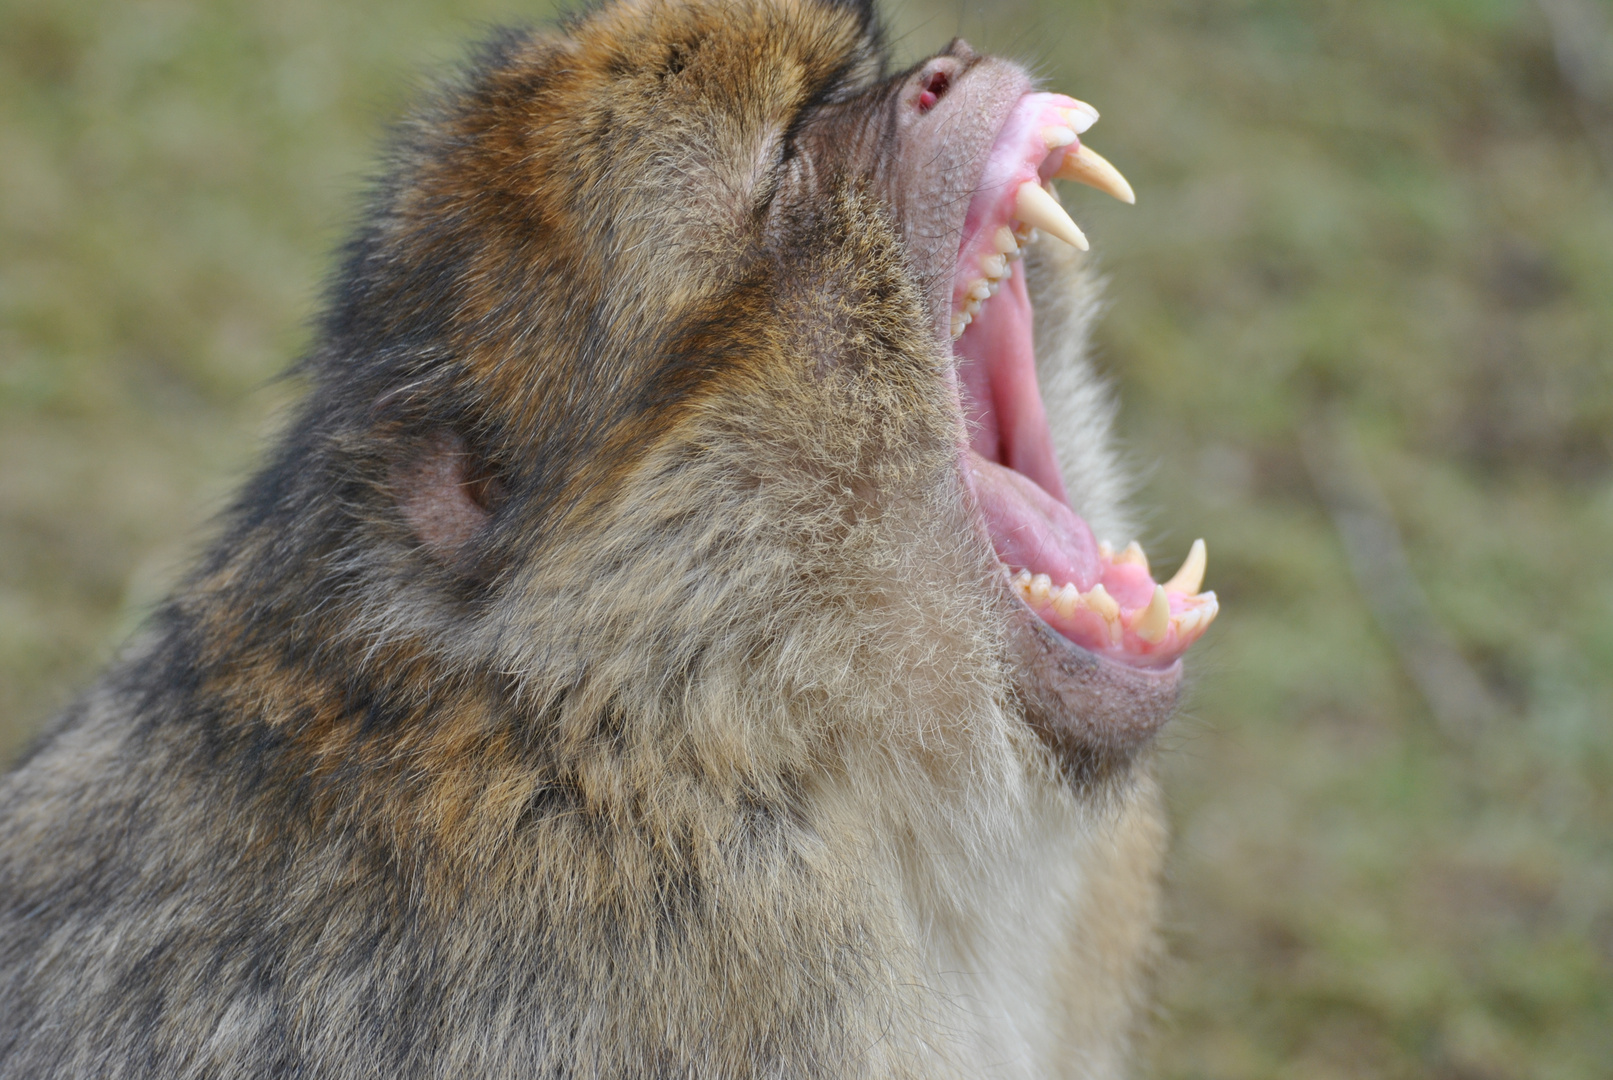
(604, 677)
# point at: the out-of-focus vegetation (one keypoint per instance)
(1370, 231)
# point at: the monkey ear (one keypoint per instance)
(445, 495)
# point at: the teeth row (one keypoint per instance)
(1152, 623)
(996, 267)
(1038, 209)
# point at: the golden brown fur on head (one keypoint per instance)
(608, 676)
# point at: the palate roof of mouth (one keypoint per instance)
(1104, 602)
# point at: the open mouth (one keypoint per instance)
(1103, 600)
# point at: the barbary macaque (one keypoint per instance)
(671, 639)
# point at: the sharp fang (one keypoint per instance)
(1086, 166)
(1191, 576)
(1057, 135)
(1040, 210)
(1134, 554)
(1081, 117)
(1155, 620)
(1004, 242)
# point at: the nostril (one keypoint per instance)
(933, 87)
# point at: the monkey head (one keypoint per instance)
(694, 316)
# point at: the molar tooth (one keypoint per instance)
(1191, 576)
(1155, 621)
(1081, 117)
(960, 322)
(1057, 135)
(1041, 590)
(994, 265)
(1086, 166)
(1067, 600)
(981, 290)
(1041, 210)
(1133, 554)
(993, 285)
(1003, 240)
(972, 308)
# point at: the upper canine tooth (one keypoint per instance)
(1133, 554)
(1085, 165)
(1003, 240)
(1081, 117)
(994, 266)
(1155, 620)
(1057, 135)
(1191, 576)
(1040, 210)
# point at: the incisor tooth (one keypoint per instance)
(1191, 576)
(1057, 135)
(1086, 166)
(1003, 240)
(1155, 620)
(1133, 554)
(1040, 210)
(1081, 117)
(1106, 551)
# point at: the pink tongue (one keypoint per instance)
(1030, 529)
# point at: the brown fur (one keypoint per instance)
(605, 678)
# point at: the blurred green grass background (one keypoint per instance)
(1362, 324)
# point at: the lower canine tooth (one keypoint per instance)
(1155, 621)
(1040, 210)
(1191, 576)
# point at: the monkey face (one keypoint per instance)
(699, 278)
